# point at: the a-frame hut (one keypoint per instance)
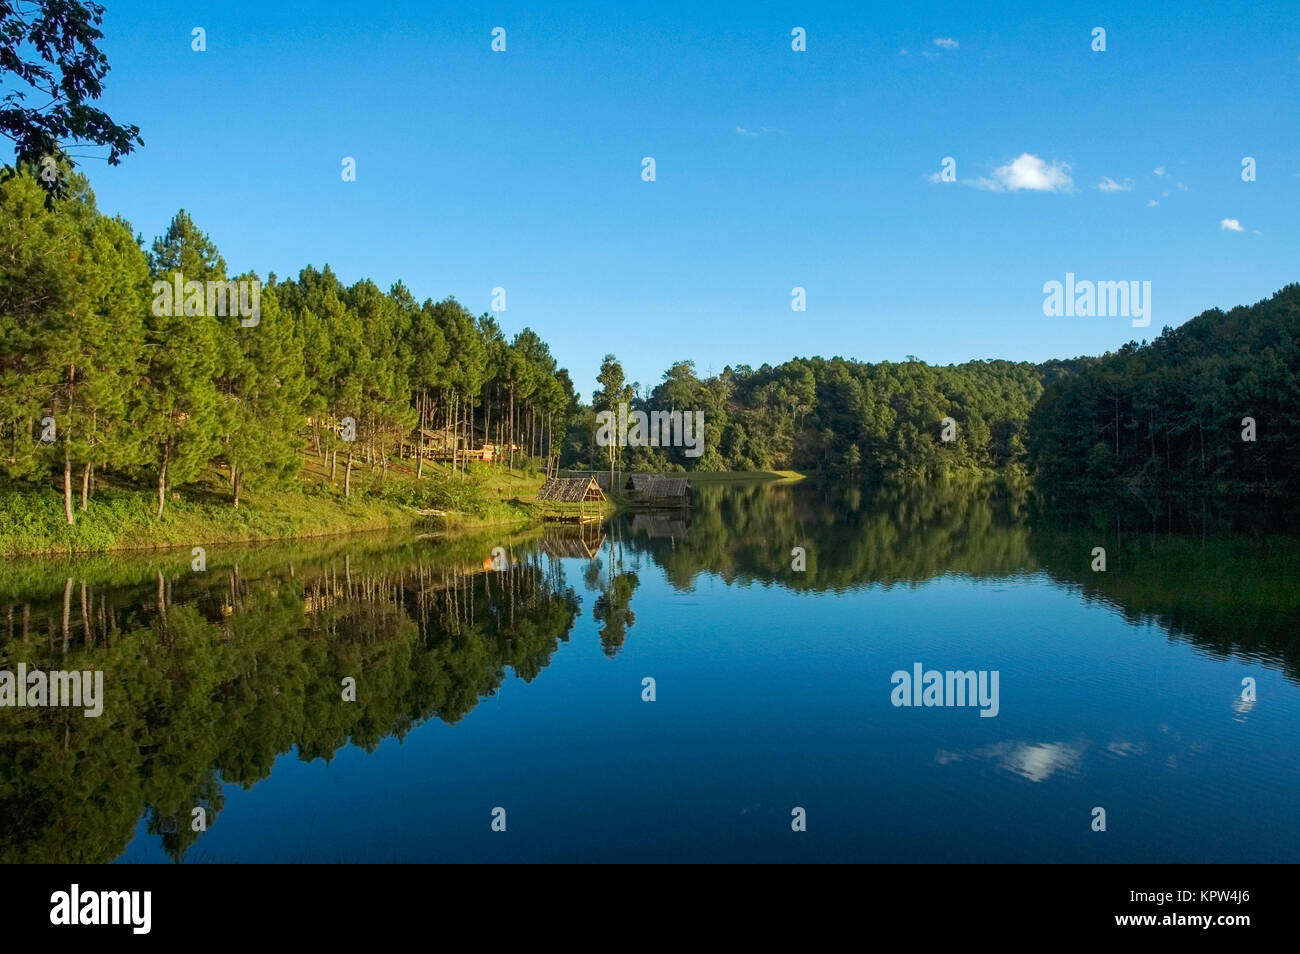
(584, 492)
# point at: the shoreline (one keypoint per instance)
(386, 517)
(417, 525)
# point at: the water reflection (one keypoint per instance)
(214, 675)
(1222, 582)
(1036, 761)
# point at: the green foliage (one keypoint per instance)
(1220, 577)
(837, 416)
(106, 382)
(126, 519)
(209, 677)
(365, 381)
(1167, 416)
(441, 492)
(48, 103)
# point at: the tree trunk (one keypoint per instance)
(419, 467)
(67, 612)
(85, 616)
(85, 487)
(162, 607)
(1117, 427)
(67, 483)
(162, 481)
(347, 477)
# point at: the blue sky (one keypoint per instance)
(775, 168)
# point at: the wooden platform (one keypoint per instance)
(571, 518)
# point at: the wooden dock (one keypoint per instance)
(578, 518)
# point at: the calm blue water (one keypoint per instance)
(773, 691)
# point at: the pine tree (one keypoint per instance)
(178, 417)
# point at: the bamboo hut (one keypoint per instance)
(659, 525)
(565, 541)
(655, 490)
(566, 492)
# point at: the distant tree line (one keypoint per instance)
(1207, 407)
(830, 415)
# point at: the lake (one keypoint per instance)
(1161, 690)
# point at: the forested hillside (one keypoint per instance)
(835, 415)
(1209, 405)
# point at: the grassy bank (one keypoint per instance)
(123, 517)
(39, 580)
(124, 520)
(727, 476)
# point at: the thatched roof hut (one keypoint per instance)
(659, 525)
(583, 491)
(572, 542)
(571, 490)
(657, 489)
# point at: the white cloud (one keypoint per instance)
(745, 132)
(1159, 170)
(947, 42)
(1152, 204)
(1107, 184)
(1036, 761)
(1124, 750)
(1183, 188)
(1030, 173)
(902, 52)
(1231, 225)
